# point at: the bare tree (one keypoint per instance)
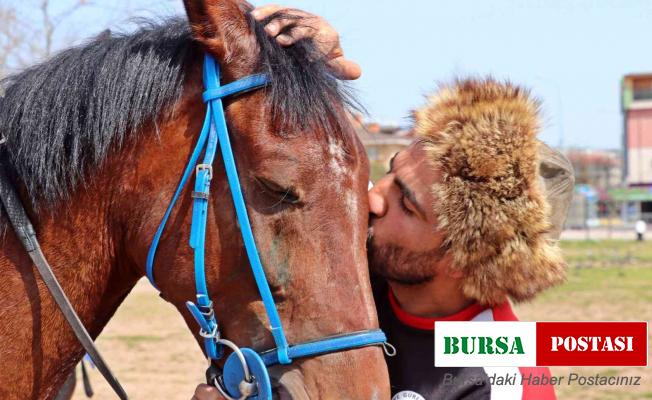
(22, 41)
(51, 22)
(11, 38)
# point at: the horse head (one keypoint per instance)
(304, 176)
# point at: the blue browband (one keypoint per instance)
(244, 365)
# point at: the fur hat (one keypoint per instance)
(491, 206)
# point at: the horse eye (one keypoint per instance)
(282, 194)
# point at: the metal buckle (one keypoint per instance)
(215, 334)
(207, 311)
(207, 167)
(199, 195)
(3, 140)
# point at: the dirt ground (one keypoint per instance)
(154, 355)
(150, 349)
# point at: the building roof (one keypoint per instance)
(638, 75)
(381, 135)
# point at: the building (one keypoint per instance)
(381, 143)
(601, 169)
(637, 143)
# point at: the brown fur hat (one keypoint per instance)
(491, 206)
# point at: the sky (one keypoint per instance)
(572, 54)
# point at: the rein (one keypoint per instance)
(245, 373)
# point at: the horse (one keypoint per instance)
(95, 140)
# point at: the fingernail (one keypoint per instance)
(272, 28)
(284, 39)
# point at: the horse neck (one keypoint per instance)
(81, 239)
(103, 234)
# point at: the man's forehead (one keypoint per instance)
(413, 160)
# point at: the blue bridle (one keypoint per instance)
(245, 371)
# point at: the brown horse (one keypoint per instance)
(96, 141)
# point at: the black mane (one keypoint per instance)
(60, 118)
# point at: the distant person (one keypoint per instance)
(641, 227)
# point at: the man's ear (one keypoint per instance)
(221, 27)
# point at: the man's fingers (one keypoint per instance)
(309, 27)
(262, 12)
(345, 69)
(206, 392)
(275, 26)
(278, 25)
(295, 34)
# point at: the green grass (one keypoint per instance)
(609, 294)
(633, 280)
(607, 253)
(608, 280)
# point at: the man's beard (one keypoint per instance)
(400, 265)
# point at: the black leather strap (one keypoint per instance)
(27, 236)
(88, 389)
(212, 373)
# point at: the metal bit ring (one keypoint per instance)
(248, 378)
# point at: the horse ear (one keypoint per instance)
(220, 26)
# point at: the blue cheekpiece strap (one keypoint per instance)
(206, 143)
(211, 71)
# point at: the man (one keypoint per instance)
(458, 226)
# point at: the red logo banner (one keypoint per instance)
(592, 343)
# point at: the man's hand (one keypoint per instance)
(312, 27)
(206, 392)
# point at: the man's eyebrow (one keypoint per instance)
(407, 192)
(391, 162)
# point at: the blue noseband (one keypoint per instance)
(245, 371)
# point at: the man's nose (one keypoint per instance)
(377, 202)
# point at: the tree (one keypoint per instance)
(33, 30)
(24, 41)
(11, 38)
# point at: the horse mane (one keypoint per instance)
(61, 118)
